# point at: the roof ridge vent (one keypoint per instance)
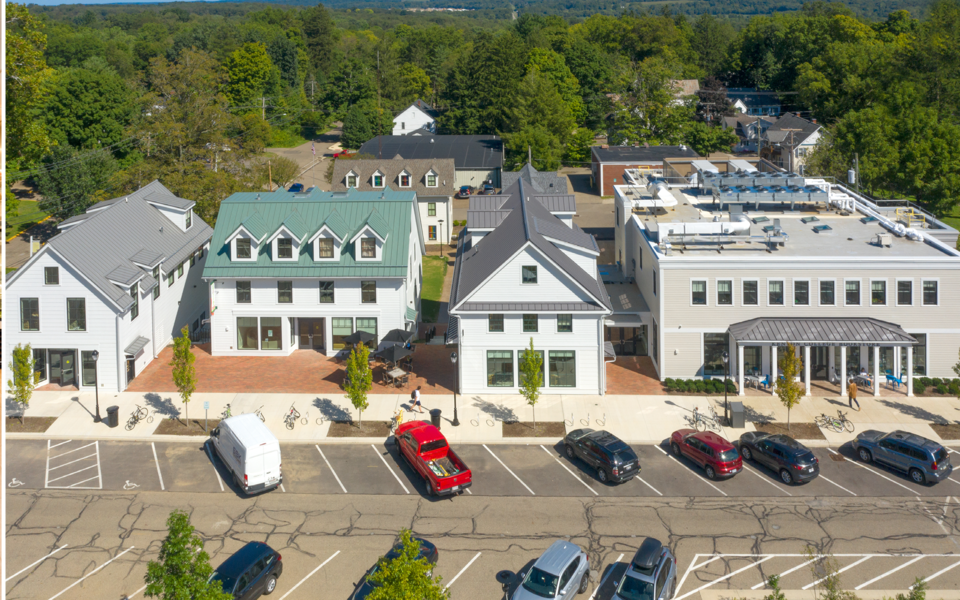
(127, 199)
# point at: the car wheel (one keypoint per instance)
(709, 472)
(746, 453)
(917, 476)
(584, 581)
(676, 448)
(865, 455)
(602, 475)
(570, 453)
(786, 477)
(432, 489)
(270, 585)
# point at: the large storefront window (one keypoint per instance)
(370, 326)
(752, 360)
(39, 364)
(499, 368)
(270, 332)
(341, 328)
(853, 359)
(89, 368)
(563, 368)
(714, 345)
(919, 356)
(247, 333)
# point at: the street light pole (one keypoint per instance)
(453, 359)
(440, 238)
(96, 384)
(726, 376)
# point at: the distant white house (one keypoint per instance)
(121, 279)
(419, 116)
(789, 141)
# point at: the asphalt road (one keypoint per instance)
(100, 508)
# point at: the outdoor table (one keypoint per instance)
(395, 374)
(753, 379)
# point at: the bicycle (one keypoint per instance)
(703, 421)
(259, 413)
(837, 424)
(139, 414)
(291, 419)
(226, 414)
(844, 421)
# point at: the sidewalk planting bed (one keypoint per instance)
(798, 431)
(178, 427)
(339, 429)
(949, 431)
(29, 425)
(525, 429)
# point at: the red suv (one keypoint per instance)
(717, 456)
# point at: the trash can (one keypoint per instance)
(736, 415)
(435, 417)
(113, 416)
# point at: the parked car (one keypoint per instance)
(427, 451)
(296, 188)
(250, 573)
(613, 459)
(717, 456)
(652, 574)
(560, 572)
(344, 154)
(794, 462)
(250, 451)
(465, 191)
(922, 459)
(487, 190)
(428, 551)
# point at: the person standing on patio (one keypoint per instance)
(852, 393)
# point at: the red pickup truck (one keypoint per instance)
(428, 453)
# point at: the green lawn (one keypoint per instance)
(29, 214)
(285, 138)
(434, 270)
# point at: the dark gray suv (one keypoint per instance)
(924, 460)
(563, 571)
(652, 574)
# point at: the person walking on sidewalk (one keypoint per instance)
(852, 392)
(415, 396)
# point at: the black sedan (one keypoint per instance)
(427, 551)
(794, 462)
(613, 459)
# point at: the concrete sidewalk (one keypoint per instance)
(635, 419)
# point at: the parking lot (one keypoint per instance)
(375, 468)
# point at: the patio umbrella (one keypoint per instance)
(359, 337)
(392, 354)
(398, 336)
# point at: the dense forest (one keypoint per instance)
(104, 99)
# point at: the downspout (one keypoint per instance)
(153, 321)
(603, 363)
(121, 384)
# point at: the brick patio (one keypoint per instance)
(303, 372)
(633, 375)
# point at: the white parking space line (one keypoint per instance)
(309, 575)
(214, 465)
(157, 462)
(468, 491)
(92, 572)
(877, 473)
(74, 485)
(605, 577)
(846, 568)
(71, 474)
(68, 441)
(755, 472)
(130, 596)
(725, 577)
(685, 573)
(33, 564)
(787, 572)
(72, 461)
(571, 472)
(662, 451)
(508, 470)
(706, 562)
(697, 475)
(953, 480)
(836, 484)
(939, 573)
(467, 566)
(317, 446)
(282, 489)
(389, 469)
(72, 451)
(890, 572)
(649, 486)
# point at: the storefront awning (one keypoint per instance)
(136, 347)
(815, 331)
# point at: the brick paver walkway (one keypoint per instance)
(633, 375)
(303, 372)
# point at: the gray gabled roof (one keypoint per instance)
(789, 123)
(491, 202)
(424, 107)
(559, 204)
(553, 228)
(467, 151)
(804, 331)
(543, 181)
(147, 257)
(165, 197)
(485, 219)
(640, 154)
(391, 168)
(101, 247)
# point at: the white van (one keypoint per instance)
(250, 451)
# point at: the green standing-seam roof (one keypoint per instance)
(388, 213)
(295, 225)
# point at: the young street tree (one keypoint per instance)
(184, 373)
(407, 575)
(531, 378)
(21, 381)
(359, 379)
(789, 390)
(182, 570)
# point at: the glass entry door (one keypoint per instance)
(62, 368)
(819, 362)
(311, 334)
(628, 341)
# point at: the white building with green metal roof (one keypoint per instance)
(290, 272)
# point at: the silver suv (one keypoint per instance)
(563, 571)
(652, 574)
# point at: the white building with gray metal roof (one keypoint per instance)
(121, 279)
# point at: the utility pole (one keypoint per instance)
(263, 108)
(529, 155)
(269, 176)
(379, 114)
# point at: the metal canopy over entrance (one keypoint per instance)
(816, 331)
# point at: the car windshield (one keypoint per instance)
(541, 583)
(634, 589)
(227, 581)
(729, 455)
(806, 458)
(434, 445)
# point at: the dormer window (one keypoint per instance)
(368, 248)
(243, 248)
(189, 218)
(284, 248)
(352, 179)
(404, 178)
(431, 179)
(324, 248)
(378, 180)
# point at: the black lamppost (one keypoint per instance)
(96, 383)
(440, 239)
(726, 376)
(453, 359)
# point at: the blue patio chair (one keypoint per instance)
(891, 381)
(765, 382)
